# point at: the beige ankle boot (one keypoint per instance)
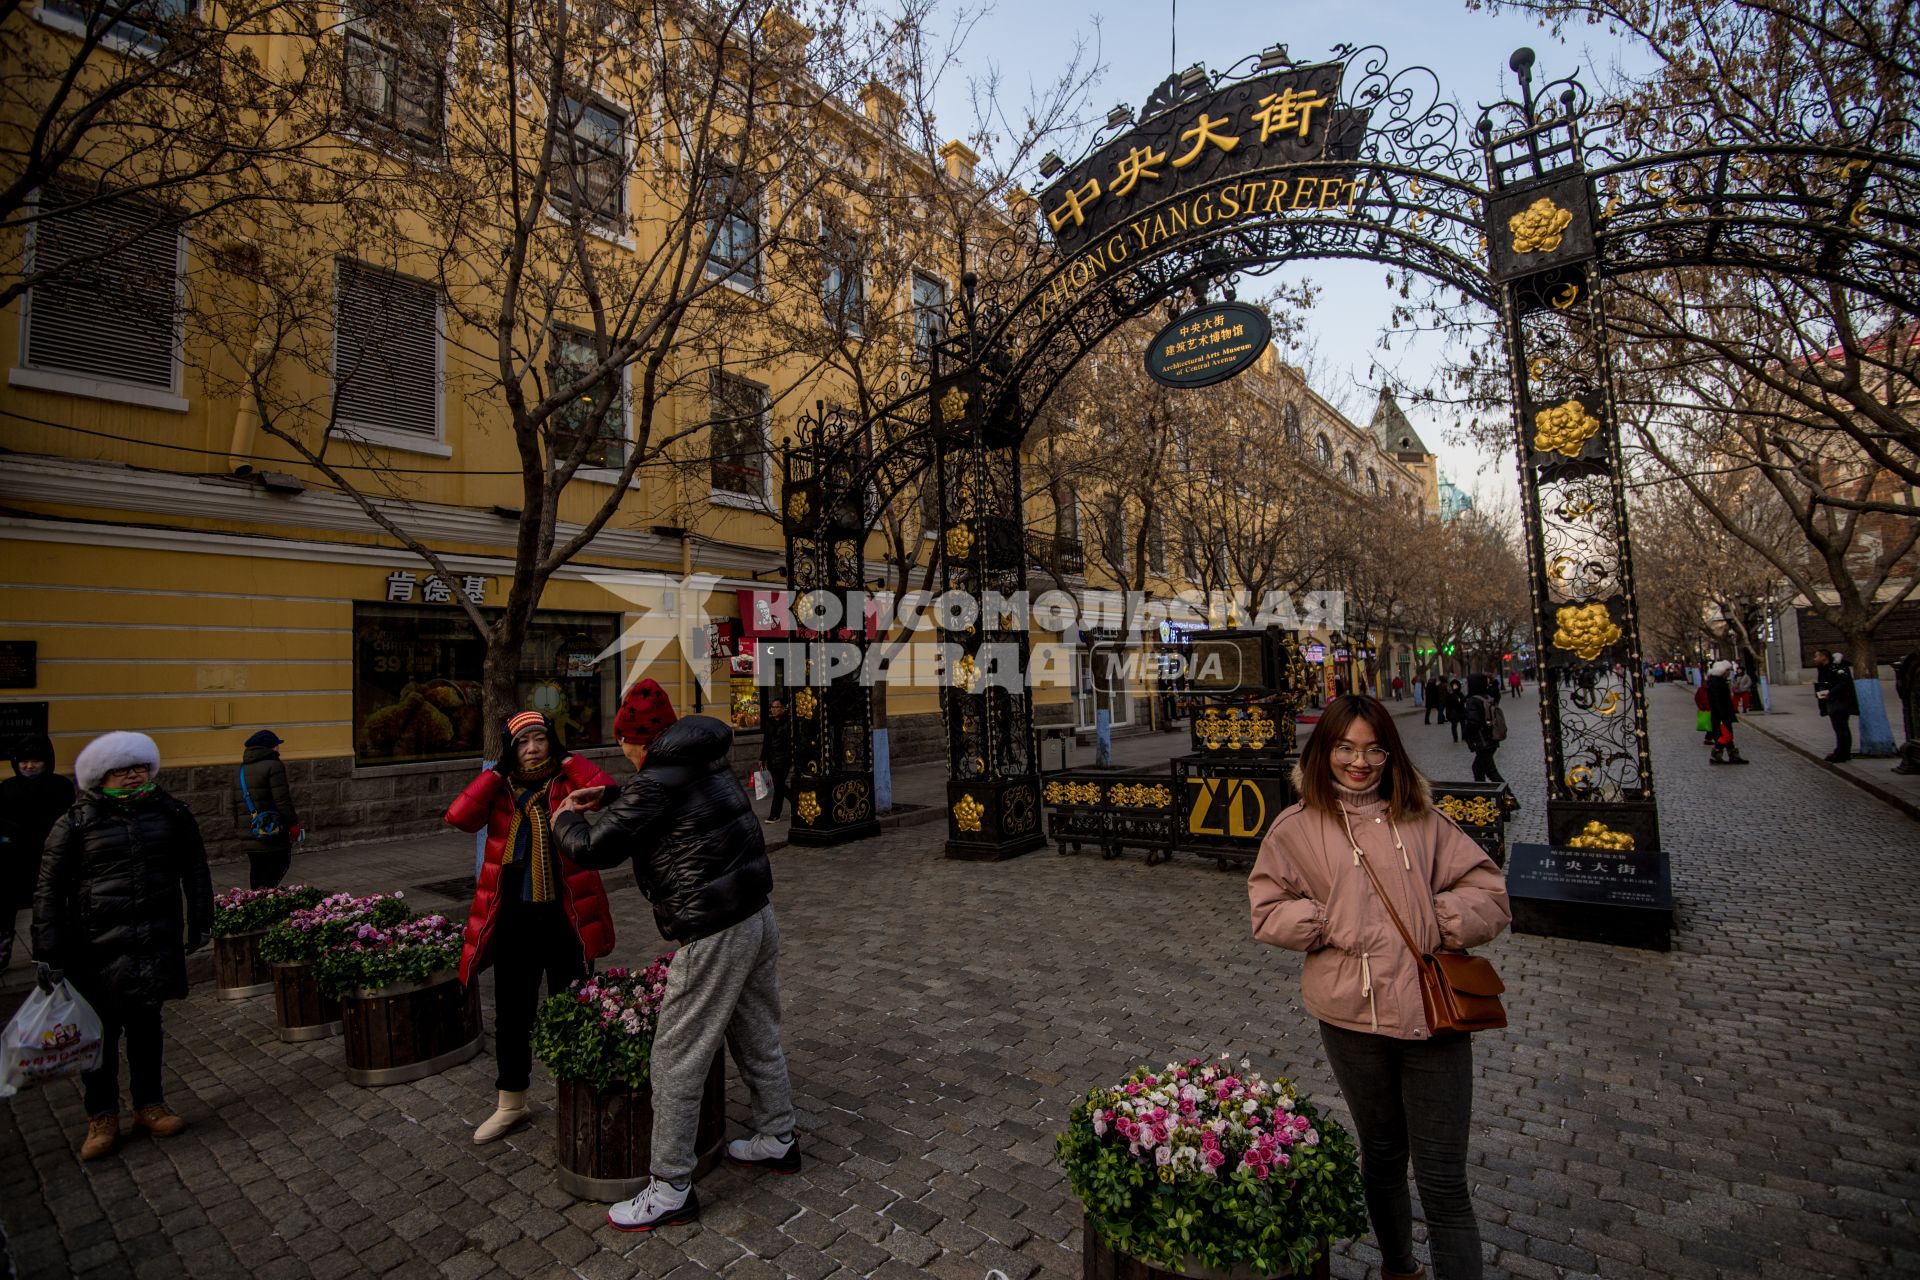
(510, 1114)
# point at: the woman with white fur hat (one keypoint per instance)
(108, 913)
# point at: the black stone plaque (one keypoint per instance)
(1594, 895)
(19, 664)
(18, 719)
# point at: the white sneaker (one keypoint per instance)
(659, 1204)
(763, 1151)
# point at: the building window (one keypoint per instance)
(417, 673)
(591, 159)
(1115, 541)
(1323, 450)
(1291, 416)
(733, 227)
(110, 307)
(1373, 482)
(386, 352)
(1066, 520)
(570, 357)
(737, 438)
(396, 75)
(1157, 544)
(843, 283)
(1349, 468)
(140, 27)
(929, 313)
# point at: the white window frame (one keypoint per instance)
(611, 475)
(728, 497)
(369, 127)
(561, 206)
(742, 277)
(856, 326)
(60, 381)
(434, 446)
(48, 16)
(924, 354)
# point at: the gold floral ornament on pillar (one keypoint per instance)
(805, 704)
(959, 542)
(1598, 835)
(953, 405)
(798, 505)
(1539, 227)
(967, 813)
(1584, 629)
(1565, 428)
(807, 806)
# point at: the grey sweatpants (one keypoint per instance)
(723, 986)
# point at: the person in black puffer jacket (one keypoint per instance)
(108, 913)
(263, 783)
(30, 803)
(697, 851)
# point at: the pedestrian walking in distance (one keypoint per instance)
(31, 801)
(1721, 717)
(1834, 692)
(1484, 726)
(268, 813)
(1434, 702)
(1411, 1092)
(1398, 684)
(108, 914)
(689, 828)
(776, 753)
(535, 914)
(1456, 704)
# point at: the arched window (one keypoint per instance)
(1373, 482)
(1323, 449)
(1291, 416)
(1349, 468)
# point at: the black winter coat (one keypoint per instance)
(28, 809)
(266, 779)
(1841, 699)
(1476, 717)
(108, 908)
(1720, 703)
(686, 822)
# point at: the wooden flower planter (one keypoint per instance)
(238, 971)
(1098, 1262)
(300, 1012)
(410, 1031)
(604, 1139)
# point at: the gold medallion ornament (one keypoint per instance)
(1584, 629)
(967, 813)
(959, 542)
(805, 704)
(1477, 811)
(1598, 835)
(966, 673)
(1565, 428)
(807, 805)
(1016, 811)
(1539, 227)
(1141, 795)
(1073, 793)
(797, 505)
(953, 405)
(850, 802)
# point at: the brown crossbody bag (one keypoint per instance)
(1460, 992)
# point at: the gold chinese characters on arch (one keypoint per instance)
(1540, 227)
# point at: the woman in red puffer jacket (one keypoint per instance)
(534, 912)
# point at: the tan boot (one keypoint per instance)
(1418, 1273)
(509, 1115)
(103, 1135)
(158, 1120)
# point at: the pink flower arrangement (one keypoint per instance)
(1202, 1119)
(600, 1030)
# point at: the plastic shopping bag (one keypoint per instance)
(762, 784)
(55, 1033)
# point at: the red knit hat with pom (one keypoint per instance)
(644, 712)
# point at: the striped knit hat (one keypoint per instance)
(526, 722)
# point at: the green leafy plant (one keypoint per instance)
(600, 1029)
(252, 910)
(1207, 1161)
(372, 956)
(309, 933)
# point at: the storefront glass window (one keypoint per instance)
(417, 672)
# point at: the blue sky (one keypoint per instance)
(1030, 43)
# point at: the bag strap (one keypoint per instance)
(1367, 866)
(251, 811)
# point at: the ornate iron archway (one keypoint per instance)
(1530, 213)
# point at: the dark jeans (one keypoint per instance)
(1484, 769)
(779, 774)
(101, 1085)
(1412, 1097)
(267, 867)
(532, 940)
(1453, 723)
(1842, 736)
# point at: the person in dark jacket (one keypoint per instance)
(1434, 702)
(266, 803)
(1833, 690)
(776, 752)
(534, 913)
(1477, 725)
(689, 828)
(108, 914)
(1455, 703)
(31, 801)
(1721, 716)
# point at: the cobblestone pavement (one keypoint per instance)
(1742, 1106)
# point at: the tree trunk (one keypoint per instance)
(1876, 727)
(500, 684)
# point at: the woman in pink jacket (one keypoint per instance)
(1409, 1091)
